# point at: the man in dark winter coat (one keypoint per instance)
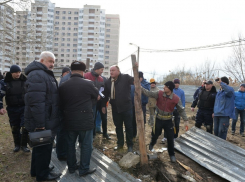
(13, 88)
(76, 96)
(95, 76)
(118, 88)
(42, 111)
(144, 101)
(205, 103)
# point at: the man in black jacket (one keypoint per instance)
(205, 103)
(13, 88)
(42, 111)
(76, 96)
(118, 88)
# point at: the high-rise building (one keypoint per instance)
(70, 33)
(7, 35)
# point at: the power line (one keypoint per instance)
(123, 59)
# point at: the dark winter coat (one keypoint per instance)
(76, 96)
(207, 103)
(41, 99)
(122, 101)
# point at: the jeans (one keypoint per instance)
(167, 125)
(40, 160)
(126, 118)
(242, 119)
(61, 143)
(98, 122)
(103, 118)
(86, 141)
(221, 125)
(134, 120)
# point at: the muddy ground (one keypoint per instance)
(15, 167)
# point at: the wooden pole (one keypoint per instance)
(139, 114)
(87, 65)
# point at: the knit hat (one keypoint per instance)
(65, 69)
(170, 85)
(141, 74)
(78, 65)
(152, 80)
(98, 65)
(225, 80)
(15, 68)
(242, 85)
(176, 80)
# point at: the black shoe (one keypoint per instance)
(17, 148)
(71, 171)
(99, 132)
(90, 171)
(107, 137)
(25, 149)
(62, 159)
(50, 169)
(51, 177)
(150, 147)
(173, 159)
(118, 148)
(130, 149)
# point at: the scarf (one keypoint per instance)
(113, 92)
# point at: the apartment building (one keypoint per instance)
(7, 34)
(70, 33)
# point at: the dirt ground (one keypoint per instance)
(15, 167)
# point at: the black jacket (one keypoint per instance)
(76, 96)
(41, 99)
(206, 103)
(122, 101)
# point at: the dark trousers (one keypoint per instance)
(86, 141)
(205, 116)
(242, 119)
(103, 118)
(61, 143)
(126, 118)
(134, 120)
(40, 160)
(176, 122)
(94, 114)
(167, 125)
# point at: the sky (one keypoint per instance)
(172, 24)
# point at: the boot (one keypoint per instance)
(24, 140)
(16, 137)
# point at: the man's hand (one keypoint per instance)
(103, 110)
(2, 111)
(213, 115)
(98, 98)
(192, 109)
(186, 124)
(219, 80)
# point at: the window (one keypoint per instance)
(56, 23)
(56, 44)
(63, 39)
(107, 46)
(69, 28)
(75, 29)
(108, 19)
(56, 39)
(107, 35)
(63, 17)
(57, 17)
(91, 17)
(91, 10)
(62, 55)
(90, 39)
(107, 52)
(62, 44)
(106, 57)
(68, 39)
(63, 23)
(107, 41)
(75, 18)
(74, 50)
(62, 50)
(91, 28)
(68, 34)
(75, 23)
(57, 12)
(69, 12)
(62, 60)
(74, 45)
(106, 62)
(69, 18)
(69, 23)
(108, 30)
(68, 55)
(63, 28)
(63, 34)
(91, 23)
(90, 33)
(64, 12)
(68, 45)
(68, 50)
(74, 34)
(56, 28)
(74, 39)
(76, 13)
(90, 44)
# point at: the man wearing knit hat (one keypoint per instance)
(13, 88)
(65, 71)
(76, 96)
(166, 101)
(152, 102)
(224, 108)
(95, 76)
(239, 109)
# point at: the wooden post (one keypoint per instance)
(87, 65)
(139, 113)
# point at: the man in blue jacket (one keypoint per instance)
(224, 108)
(239, 109)
(144, 101)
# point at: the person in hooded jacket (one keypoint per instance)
(13, 89)
(205, 103)
(144, 101)
(42, 111)
(152, 102)
(239, 109)
(224, 108)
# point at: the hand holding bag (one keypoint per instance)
(39, 138)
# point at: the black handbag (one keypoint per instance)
(39, 138)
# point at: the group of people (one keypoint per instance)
(68, 107)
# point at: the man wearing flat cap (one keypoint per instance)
(76, 96)
(205, 103)
(239, 109)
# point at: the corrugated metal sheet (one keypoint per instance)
(106, 169)
(217, 155)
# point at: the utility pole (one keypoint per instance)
(139, 113)
(138, 57)
(87, 64)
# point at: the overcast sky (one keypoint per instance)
(172, 24)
